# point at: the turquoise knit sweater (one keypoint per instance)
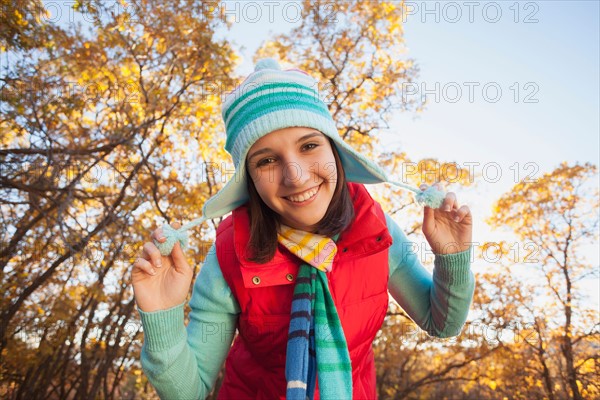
(183, 363)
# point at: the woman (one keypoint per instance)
(302, 266)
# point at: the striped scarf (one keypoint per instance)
(316, 343)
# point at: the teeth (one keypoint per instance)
(303, 196)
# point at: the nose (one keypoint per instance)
(295, 173)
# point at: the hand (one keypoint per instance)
(160, 282)
(445, 234)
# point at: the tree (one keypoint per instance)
(99, 130)
(23, 25)
(354, 49)
(558, 214)
(513, 344)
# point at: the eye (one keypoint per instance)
(310, 146)
(265, 161)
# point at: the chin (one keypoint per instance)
(309, 226)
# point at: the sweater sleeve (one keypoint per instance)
(183, 363)
(438, 303)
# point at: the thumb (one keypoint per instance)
(176, 225)
(428, 220)
(179, 261)
(428, 215)
(177, 254)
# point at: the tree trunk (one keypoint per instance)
(567, 350)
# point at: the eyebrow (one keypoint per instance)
(268, 149)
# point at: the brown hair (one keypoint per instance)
(264, 221)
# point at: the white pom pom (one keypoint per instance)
(431, 197)
(173, 236)
(267, 63)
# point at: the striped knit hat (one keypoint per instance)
(271, 99)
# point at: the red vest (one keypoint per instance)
(255, 366)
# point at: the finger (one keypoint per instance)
(439, 185)
(144, 265)
(449, 202)
(158, 235)
(462, 213)
(153, 253)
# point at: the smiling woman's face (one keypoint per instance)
(294, 172)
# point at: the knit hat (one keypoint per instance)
(271, 99)
(267, 100)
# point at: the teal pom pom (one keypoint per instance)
(173, 236)
(431, 197)
(267, 63)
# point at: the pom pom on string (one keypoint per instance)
(431, 197)
(176, 235)
(173, 236)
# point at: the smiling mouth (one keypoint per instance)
(306, 195)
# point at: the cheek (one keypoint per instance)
(264, 182)
(331, 172)
(263, 193)
(326, 168)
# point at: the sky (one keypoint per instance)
(546, 66)
(512, 89)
